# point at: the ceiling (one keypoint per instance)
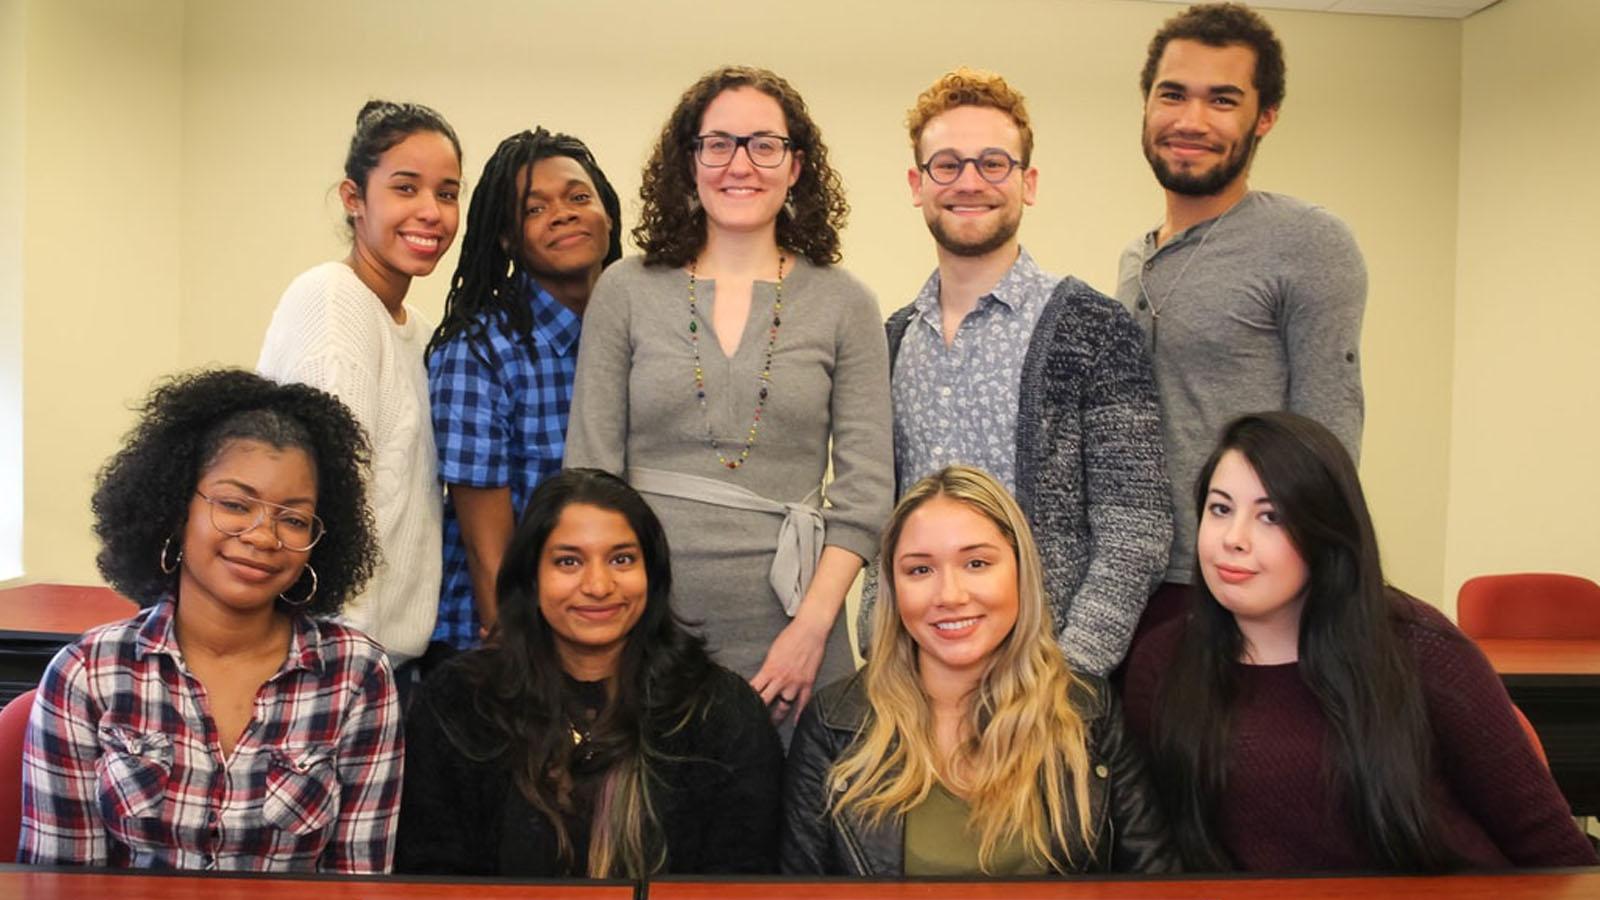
(1437, 9)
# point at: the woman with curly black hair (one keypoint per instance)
(594, 737)
(225, 726)
(724, 370)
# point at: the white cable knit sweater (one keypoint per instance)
(330, 331)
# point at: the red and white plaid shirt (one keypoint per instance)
(123, 767)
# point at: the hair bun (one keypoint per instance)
(375, 109)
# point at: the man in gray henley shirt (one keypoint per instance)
(1249, 301)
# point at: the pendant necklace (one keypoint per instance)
(1155, 308)
(763, 382)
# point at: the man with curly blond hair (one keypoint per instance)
(1038, 379)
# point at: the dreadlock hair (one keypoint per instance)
(491, 267)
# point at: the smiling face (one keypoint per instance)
(742, 196)
(565, 230)
(592, 588)
(970, 216)
(1203, 117)
(955, 587)
(1246, 556)
(405, 216)
(244, 574)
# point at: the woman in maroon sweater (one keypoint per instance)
(1304, 715)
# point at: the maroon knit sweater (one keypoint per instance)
(1497, 805)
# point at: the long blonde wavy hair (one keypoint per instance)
(1024, 741)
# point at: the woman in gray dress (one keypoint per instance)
(724, 370)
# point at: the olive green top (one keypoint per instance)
(938, 842)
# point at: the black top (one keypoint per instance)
(715, 789)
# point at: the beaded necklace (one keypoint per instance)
(763, 382)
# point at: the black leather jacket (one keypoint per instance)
(1131, 834)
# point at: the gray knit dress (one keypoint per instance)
(634, 405)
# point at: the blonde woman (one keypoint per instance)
(966, 745)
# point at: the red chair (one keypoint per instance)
(13, 726)
(1534, 605)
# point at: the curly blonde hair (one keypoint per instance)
(970, 87)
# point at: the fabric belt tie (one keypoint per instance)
(799, 537)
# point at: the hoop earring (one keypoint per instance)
(162, 559)
(296, 604)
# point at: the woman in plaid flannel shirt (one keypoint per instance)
(226, 726)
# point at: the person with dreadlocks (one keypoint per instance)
(543, 223)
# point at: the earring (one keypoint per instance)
(162, 560)
(296, 604)
(694, 203)
(788, 204)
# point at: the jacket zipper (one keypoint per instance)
(856, 856)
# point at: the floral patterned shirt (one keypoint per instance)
(958, 403)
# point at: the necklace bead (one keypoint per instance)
(764, 382)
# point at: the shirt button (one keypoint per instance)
(1149, 264)
(1143, 303)
(1101, 770)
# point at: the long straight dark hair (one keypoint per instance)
(657, 688)
(1353, 657)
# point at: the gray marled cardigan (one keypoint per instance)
(1091, 476)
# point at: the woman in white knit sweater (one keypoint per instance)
(344, 327)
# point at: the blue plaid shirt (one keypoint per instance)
(500, 423)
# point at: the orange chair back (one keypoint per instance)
(1533, 605)
(13, 727)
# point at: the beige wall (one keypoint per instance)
(1524, 478)
(266, 93)
(13, 49)
(101, 268)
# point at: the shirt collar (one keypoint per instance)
(1011, 290)
(553, 323)
(158, 634)
(1193, 231)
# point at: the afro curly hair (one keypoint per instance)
(141, 497)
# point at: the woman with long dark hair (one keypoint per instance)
(228, 725)
(1304, 715)
(593, 736)
(344, 327)
(724, 371)
(967, 745)
(543, 224)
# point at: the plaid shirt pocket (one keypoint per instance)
(302, 789)
(133, 769)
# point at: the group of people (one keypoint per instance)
(1023, 466)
